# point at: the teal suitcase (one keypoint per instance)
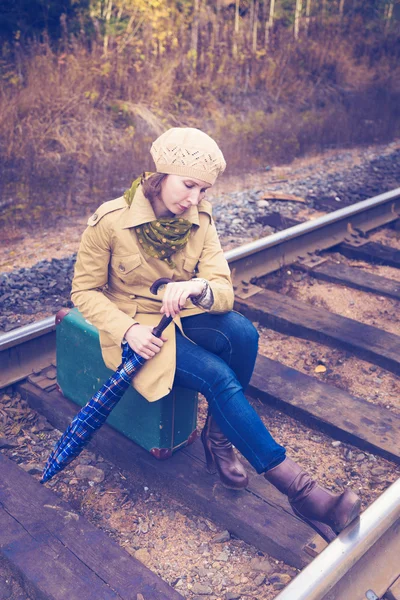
(160, 427)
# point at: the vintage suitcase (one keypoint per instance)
(160, 427)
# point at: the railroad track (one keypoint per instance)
(343, 570)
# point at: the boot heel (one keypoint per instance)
(220, 457)
(210, 461)
(323, 530)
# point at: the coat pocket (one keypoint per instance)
(125, 267)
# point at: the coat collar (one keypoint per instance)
(141, 211)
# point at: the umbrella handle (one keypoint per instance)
(163, 324)
(158, 283)
(165, 321)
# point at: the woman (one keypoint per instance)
(163, 227)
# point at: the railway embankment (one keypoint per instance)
(36, 267)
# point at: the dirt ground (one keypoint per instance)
(330, 160)
(360, 378)
(24, 250)
(175, 542)
(386, 236)
(10, 589)
(172, 540)
(371, 309)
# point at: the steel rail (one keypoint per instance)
(314, 224)
(26, 333)
(27, 349)
(318, 579)
(270, 253)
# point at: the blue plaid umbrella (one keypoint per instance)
(92, 416)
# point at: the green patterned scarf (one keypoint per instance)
(164, 236)
(130, 194)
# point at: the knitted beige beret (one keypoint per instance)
(188, 152)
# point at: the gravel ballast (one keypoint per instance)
(190, 552)
(43, 287)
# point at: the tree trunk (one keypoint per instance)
(270, 23)
(297, 17)
(236, 29)
(108, 14)
(389, 16)
(216, 41)
(255, 25)
(308, 14)
(195, 32)
(250, 21)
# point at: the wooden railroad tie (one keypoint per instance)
(299, 319)
(56, 554)
(353, 277)
(259, 515)
(327, 408)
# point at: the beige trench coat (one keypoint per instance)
(113, 276)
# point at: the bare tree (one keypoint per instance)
(255, 25)
(107, 15)
(236, 28)
(308, 13)
(270, 22)
(195, 31)
(388, 14)
(297, 17)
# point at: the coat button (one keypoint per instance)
(121, 268)
(95, 217)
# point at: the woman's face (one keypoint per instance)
(180, 193)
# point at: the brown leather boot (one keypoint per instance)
(313, 503)
(221, 457)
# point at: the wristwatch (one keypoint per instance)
(206, 298)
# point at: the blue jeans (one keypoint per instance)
(219, 365)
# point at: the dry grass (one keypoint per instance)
(79, 124)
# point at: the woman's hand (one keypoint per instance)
(176, 294)
(143, 342)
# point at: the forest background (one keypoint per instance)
(86, 85)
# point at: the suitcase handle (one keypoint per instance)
(165, 321)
